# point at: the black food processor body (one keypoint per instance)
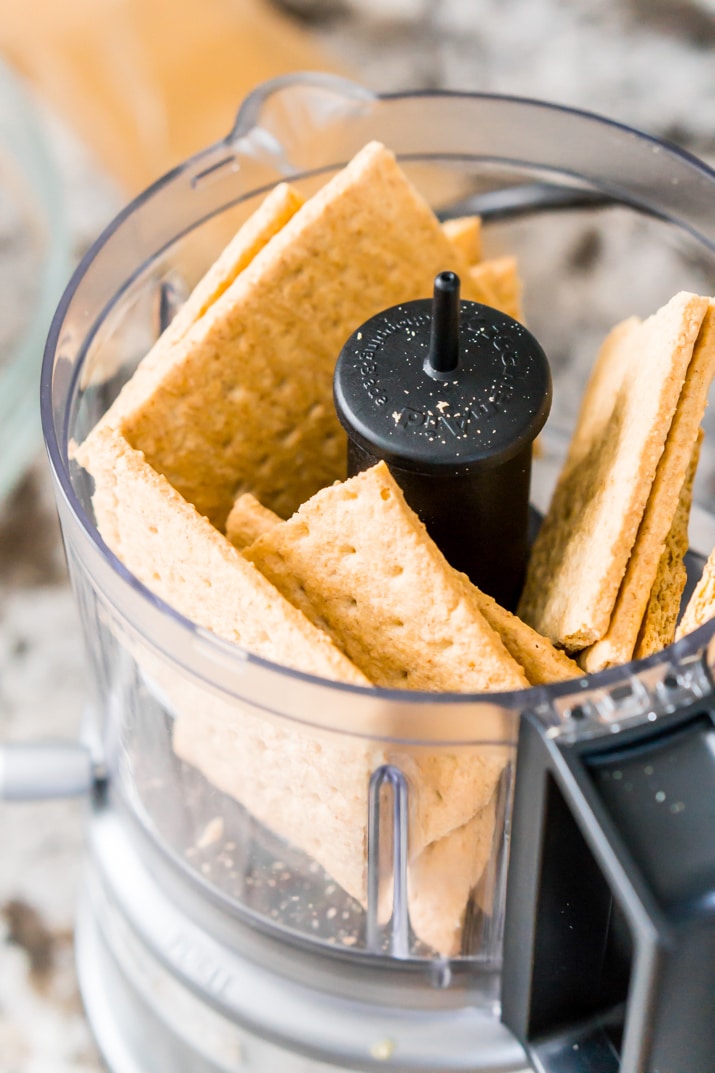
(207, 943)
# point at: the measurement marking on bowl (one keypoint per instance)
(200, 966)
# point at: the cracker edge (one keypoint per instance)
(264, 551)
(109, 456)
(553, 600)
(661, 614)
(618, 644)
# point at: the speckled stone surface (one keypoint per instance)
(645, 62)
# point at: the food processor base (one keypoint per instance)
(161, 994)
(134, 1036)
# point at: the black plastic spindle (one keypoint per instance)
(451, 394)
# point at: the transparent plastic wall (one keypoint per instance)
(363, 822)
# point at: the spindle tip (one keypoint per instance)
(443, 355)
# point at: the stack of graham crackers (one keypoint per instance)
(219, 482)
(606, 573)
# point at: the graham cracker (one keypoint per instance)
(178, 554)
(358, 561)
(618, 643)
(497, 278)
(311, 788)
(465, 234)
(661, 613)
(500, 280)
(272, 214)
(701, 605)
(243, 400)
(441, 879)
(308, 786)
(582, 550)
(541, 661)
(247, 520)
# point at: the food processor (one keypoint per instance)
(211, 937)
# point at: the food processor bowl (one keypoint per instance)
(302, 896)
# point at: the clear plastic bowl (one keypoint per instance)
(279, 841)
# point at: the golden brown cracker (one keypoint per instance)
(661, 613)
(247, 402)
(465, 234)
(580, 555)
(701, 605)
(311, 788)
(658, 627)
(360, 564)
(442, 877)
(248, 520)
(499, 278)
(140, 516)
(618, 643)
(244, 401)
(272, 214)
(542, 662)
(307, 786)
(178, 554)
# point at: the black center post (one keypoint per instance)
(451, 394)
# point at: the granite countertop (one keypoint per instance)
(644, 62)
